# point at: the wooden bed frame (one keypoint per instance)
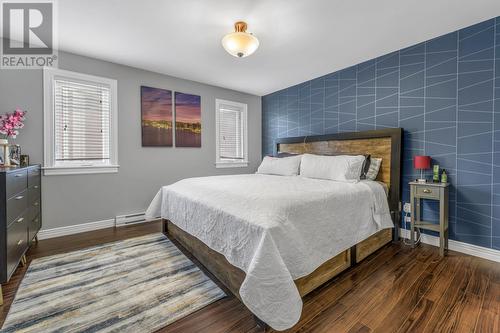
(386, 144)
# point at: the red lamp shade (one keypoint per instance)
(422, 162)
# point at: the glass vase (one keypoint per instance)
(4, 144)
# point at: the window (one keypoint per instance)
(231, 134)
(80, 123)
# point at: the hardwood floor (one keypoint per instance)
(394, 290)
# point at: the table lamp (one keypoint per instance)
(422, 163)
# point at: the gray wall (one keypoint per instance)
(75, 199)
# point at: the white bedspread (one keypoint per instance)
(275, 228)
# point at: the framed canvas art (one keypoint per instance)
(157, 119)
(187, 120)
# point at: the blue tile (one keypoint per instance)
(472, 165)
(484, 54)
(496, 243)
(441, 63)
(412, 86)
(415, 49)
(481, 43)
(348, 73)
(475, 66)
(477, 93)
(445, 89)
(475, 29)
(445, 113)
(367, 65)
(444, 43)
(474, 116)
(389, 79)
(389, 119)
(388, 100)
(474, 240)
(318, 83)
(469, 79)
(411, 63)
(388, 61)
(366, 125)
(292, 91)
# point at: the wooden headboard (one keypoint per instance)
(386, 143)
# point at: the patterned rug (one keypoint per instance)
(136, 285)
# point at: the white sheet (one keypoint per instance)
(275, 228)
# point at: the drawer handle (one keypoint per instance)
(35, 204)
(19, 197)
(19, 175)
(427, 190)
(21, 219)
(19, 242)
(35, 187)
(36, 220)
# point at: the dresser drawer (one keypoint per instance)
(16, 206)
(428, 192)
(34, 209)
(34, 177)
(33, 194)
(17, 243)
(34, 226)
(16, 182)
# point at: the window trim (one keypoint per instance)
(231, 163)
(49, 168)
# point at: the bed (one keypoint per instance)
(271, 240)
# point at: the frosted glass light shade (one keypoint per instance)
(240, 43)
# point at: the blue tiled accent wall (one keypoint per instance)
(444, 92)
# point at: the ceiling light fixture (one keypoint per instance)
(240, 43)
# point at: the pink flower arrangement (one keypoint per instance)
(11, 122)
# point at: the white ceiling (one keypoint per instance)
(299, 39)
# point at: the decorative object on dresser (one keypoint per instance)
(9, 125)
(432, 191)
(435, 173)
(20, 216)
(421, 163)
(25, 160)
(15, 154)
(444, 177)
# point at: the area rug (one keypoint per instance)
(136, 285)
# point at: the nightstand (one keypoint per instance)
(432, 191)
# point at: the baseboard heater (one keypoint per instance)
(123, 220)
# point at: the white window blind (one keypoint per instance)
(230, 134)
(80, 125)
(231, 120)
(81, 120)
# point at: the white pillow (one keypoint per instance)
(374, 168)
(282, 166)
(341, 167)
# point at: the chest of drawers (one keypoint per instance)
(20, 215)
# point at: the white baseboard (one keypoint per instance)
(84, 227)
(473, 250)
(75, 229)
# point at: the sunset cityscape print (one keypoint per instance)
(156, 111)
(187, 120)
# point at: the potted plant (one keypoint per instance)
(10, 123)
